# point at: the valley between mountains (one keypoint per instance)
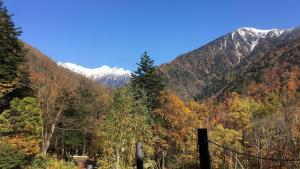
(211, 70)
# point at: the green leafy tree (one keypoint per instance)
(126, 123)
(24, 117)
(241, 111)
(227, 138)
(21, 125)
(20, 131)
(147, 79)
(50, 162)
(14, 78)
(79, 121)
(11, 157)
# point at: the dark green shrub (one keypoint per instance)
(11, 157)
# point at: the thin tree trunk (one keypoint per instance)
(84, 144)
(48, 135)
(163, 160)
(118, 160)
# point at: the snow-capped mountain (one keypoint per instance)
(243, 41)
(191, 72)
(111, 76)
(253, 36)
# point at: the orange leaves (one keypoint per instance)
(176, 123)
(176, 126)
(280, 79)
(293, 82)
(26, 145)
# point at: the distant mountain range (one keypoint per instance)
(209, 70)
(205, 71)
(113, 77)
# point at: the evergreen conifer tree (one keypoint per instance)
(13, 72)
(147, 79)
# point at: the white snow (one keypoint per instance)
(232, 35)
(254, 43)
(252, 36)
(95, 72)
(241, 32)
(259, 33)
(237, 45)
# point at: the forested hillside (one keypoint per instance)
(44, 107)
(244, 88)
(196, 73)
(270, 70)
(71, 103)
(252, 108)
(62, 111)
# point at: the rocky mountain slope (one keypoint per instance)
(199, 73)
(277, 70)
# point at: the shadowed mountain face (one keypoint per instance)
(114, 80)
(200, 71)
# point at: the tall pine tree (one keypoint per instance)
(13, 72)
(148, 80)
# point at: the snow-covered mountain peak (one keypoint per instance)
(94, 72)
(112, 76)
(252, 36)
(259, 33)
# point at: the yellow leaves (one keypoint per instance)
(240, 111)
(175, 113)
(226, 137)
(292, 83)
(60, 164)
(27, 145)
(5, 125)
(24, 116)
(126, 123)
(8, 87)
(50, 162)
(176, 127)
(240, 120)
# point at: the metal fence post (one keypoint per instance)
(139, 156)
(203, 149)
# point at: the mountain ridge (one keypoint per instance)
(111, 76)
(188, 74)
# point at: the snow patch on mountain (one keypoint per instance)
(252, 36)
(259, 33)
(254, 43)
(112, 76)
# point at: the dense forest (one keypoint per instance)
(49, 113)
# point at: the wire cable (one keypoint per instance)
(251, 155)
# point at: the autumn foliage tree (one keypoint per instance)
(71, 104)
(175, 128)
(77, 128)
(14, 78)
(126, 122)
(21, 127)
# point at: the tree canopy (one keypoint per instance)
(146, 78)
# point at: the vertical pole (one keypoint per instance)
(203, 149)
(139, 156)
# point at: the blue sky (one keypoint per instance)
(92, 33)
